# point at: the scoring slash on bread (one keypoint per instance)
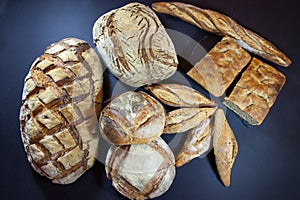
(132, 118)
(256, 91)
(141, 171)
(221, 24)
(62, 93)
(225, 146)
(134, 45)
(220, 66)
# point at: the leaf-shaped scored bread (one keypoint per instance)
(225, 146)
(178, 95)
(184, 119)
(197, 143)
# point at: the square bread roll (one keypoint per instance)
(219, 67)
(255, 92)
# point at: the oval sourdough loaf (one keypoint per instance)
(134, 45)
(61, 97)
(141, 171)
(132, 118)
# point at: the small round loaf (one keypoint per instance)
(135, 45)
(62, 97)
(141, 171)
(132, 118)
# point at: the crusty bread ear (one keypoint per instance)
(225, 146)
(221, 24)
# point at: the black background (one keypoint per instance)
(268, 163)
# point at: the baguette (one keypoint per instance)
(222, 25)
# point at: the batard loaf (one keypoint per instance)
(221, 24)
(135, 45)
(256, 91)
(62, 97)
(132, 118)
(141, 171)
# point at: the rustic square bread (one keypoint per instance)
(255, 92)
(219, 67)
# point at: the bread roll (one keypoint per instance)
(221, 24)
(61, 96)
(177, 95)
(141, 171)
(220, 66)
(134, 45)
(256, 91)
(132, 118)
(184, 119)
(197, 143)
(225, 146)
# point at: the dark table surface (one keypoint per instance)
(268, 163)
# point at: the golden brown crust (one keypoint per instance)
(197, 143)
(225, 146)
(52, 118)
(184, 119)
(221, 24)
(219, 67)
(177, 95)
(255, 92)
(132, 118)
(141, 171)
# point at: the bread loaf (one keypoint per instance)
(197, 143)
(221, 24)
(184, 119)
(132, 118)
(134, 45)
(177, 95)
(61, 96)
(225, 146)
(141, 171)
(256, 91)
(219, 67)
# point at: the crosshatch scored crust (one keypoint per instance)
(62, 92)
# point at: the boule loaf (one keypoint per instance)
(132, 118)
(62, 97)
(134, 45)
(255, 92)
(141, 171)
(221, 24)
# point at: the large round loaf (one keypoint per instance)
(132, 118)
(141, 171)
(62, 97)
(134, 45)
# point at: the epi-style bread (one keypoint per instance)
(62, 97)
(221, 24)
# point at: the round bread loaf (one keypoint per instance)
(62, 97)
(132, 118)
(134, 45)
(141, 171)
